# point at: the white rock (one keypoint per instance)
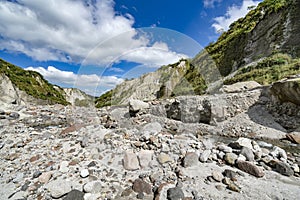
(63, 167)
(278, 152)
(92, 187)
(145, 157)
(131, 161)
(84, 173)
(59, 187)
(245, 142)
(205, 155)
(137, 105)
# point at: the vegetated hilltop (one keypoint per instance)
(22, 86)
(266, 40)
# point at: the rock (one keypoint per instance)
(204, 155)
(84, 173)
(190, 159)
(130, 161)
(240, 87)
(230, 174)
(63, 167)
(250, 168)
(14, 115)
(296, 168)
(287, 90)
(136, 105)
(164, 158)
(241, 142)
(92, 187)
(248, 153)
(140, 186)
(151, 129)
(59, 188)
(74, 195)
(2, 112)
(175, 193)
(234, 187)
(45, 177)
(207, 144)
(224, 148)
(217, 176)
(230, 158)
(36, 174)
(294, 137)
(278, 152)
(145, 157)
(284, 169)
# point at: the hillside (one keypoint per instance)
(22, 86)
(266, 40)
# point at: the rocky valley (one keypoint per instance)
(222, 125)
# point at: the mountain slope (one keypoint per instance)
(270, 29)
(19, 85)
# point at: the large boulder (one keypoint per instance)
(287, 90)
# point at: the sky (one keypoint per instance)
(96, 44)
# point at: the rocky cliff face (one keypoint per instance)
(78, 98)
(272, 27)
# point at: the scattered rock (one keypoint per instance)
(136, 105)
(234, 187)
(230, 174)
(92, 187)
(190, 159)
(241, 142)
(224, 148)
(131, 161)
(278, 152)
(74, 195)
(164, 158)
(294, 137)
(140, 186)
(175, 193)
(205, 155)
(217, 176)
(45, 177)
(250, 168)
(284, 169)
(145, 157)
(63, 167)
(59, 188)
(230, 158)
(248, 153)
(84, 173)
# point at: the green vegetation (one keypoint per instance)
(268, 70)
(104, 100)
(32, 83)
(191, 83)
(228, 51)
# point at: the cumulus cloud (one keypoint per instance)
(67, 30)
(233, 13)
(92, 83)
(210, 3)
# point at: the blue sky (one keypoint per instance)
(96, 44)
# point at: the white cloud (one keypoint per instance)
(92, 84)
(67, 30)
(210, 3)
(233, 13)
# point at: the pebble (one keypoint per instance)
(224, 148)
(217, 176)
(84, 173)
(45, 177)
(63, 167)
(205, 155)
(145, 157)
